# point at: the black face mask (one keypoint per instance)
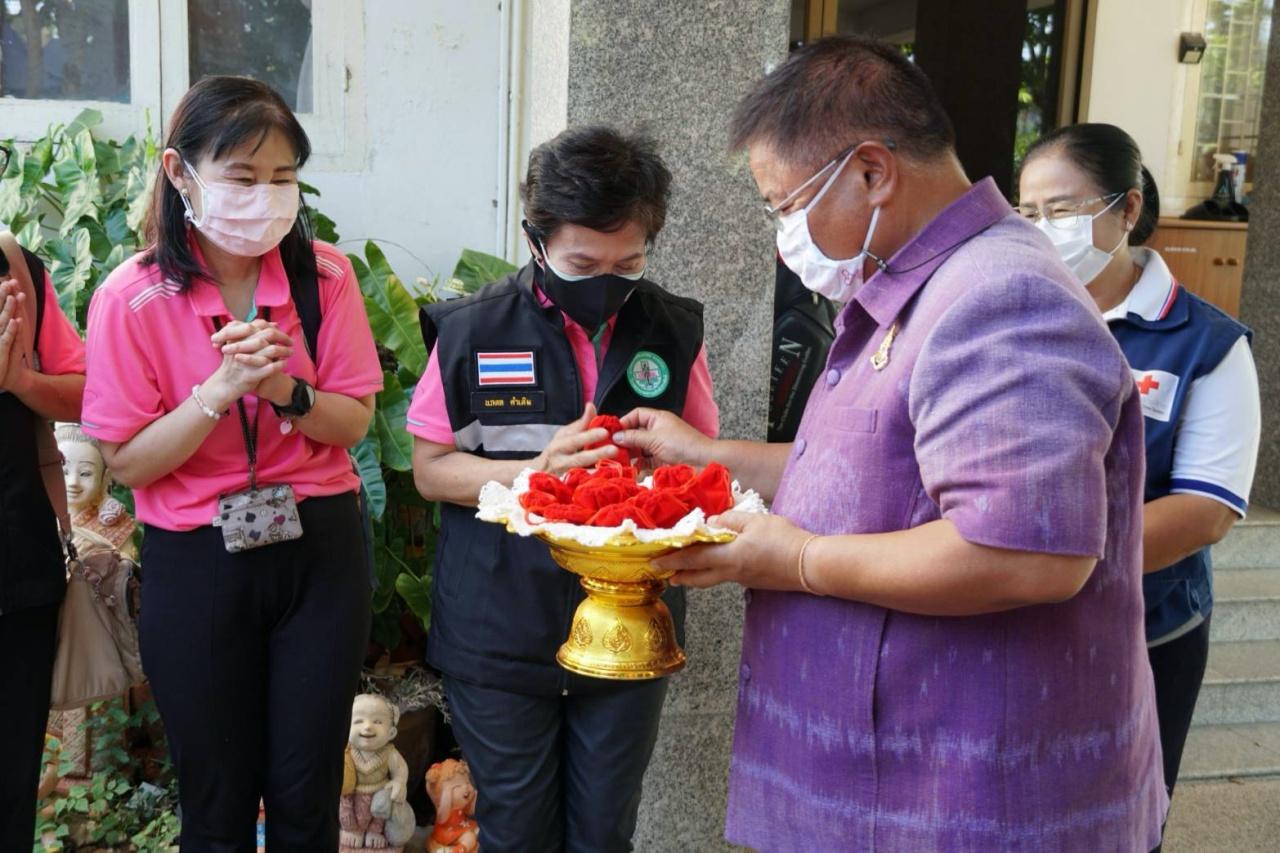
(589, 302)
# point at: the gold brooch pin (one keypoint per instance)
(880, 360)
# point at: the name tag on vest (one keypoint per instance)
(1156, 389)
(487, 402)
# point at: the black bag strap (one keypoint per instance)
(36, 267)
(305, 292)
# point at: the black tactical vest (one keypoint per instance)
(500, 606)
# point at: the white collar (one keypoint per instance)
(1152, 294)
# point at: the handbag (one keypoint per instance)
(97, 656)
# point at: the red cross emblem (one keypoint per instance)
(1148, 382)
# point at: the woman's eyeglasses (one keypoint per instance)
(1061, 213)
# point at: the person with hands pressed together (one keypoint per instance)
(41, 379)
(231, 367)
(517, 374)
(943, 637)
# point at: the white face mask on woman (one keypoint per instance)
(1072, 236)
(837, 280)
(243, 221)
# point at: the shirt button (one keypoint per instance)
(801, 444)
(746, 672)
(833, 376)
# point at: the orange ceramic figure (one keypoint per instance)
(450, 788)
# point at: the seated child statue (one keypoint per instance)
(372, 813)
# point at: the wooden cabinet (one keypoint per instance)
(1207, 258)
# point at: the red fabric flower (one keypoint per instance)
(572, 513)
(535, 500)
(711, 489)
(597, 494)
(611, 469)
(576, 477)
(615, 514)
(664, 506)
(540, 481)
(613, 425)
(673, 476)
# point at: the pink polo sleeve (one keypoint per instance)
(700, 409)
(61, 350)
(428, 414)
(347, 360)
(121, 393)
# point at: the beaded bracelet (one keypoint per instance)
(208, 412)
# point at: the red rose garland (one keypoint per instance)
(609, 494)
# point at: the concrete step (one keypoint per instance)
(1236, 815)
(1222, 751)
(1246, 605)
(1241, 683)
(1253, 543)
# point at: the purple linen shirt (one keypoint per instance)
(1007, 408)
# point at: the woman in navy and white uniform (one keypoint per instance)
(1086, 188)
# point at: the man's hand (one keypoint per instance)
(765, 555)
(661, 438)
(565, 449)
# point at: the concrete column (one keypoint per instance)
(1260, 305)
(677, 69)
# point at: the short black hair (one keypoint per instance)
(215, 116)
(837, 91)
(597, 177)
(1112, 160)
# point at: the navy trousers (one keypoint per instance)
(557, 772)
(254, 659)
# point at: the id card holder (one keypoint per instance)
(258, 516)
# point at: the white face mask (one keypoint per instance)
(244, 221)
(1072, 236)
(837, 280)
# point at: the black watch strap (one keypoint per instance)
(304, 397)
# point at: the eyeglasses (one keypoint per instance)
(1061, 213)
(5, 153)
(775, 213)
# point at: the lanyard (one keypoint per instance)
(250, 436)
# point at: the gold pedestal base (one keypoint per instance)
(622, 631)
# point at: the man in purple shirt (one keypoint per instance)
(943, 646)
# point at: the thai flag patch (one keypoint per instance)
(506, 368)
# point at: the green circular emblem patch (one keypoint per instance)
(648, 375)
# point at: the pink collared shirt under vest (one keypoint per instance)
(429, 415)
(1004, 406)
(149, 343)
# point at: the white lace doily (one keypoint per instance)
(501, 503)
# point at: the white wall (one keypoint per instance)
(1136, 82)
(431, 175)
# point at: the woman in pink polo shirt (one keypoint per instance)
(210, 400)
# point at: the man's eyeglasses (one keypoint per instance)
(5, 153)
(775, 212)
(1061, 213)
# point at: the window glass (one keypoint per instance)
(65, 50)
(269, 40)
(1231, 75)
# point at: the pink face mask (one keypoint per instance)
(243, 221)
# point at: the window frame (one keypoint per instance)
(159, 74)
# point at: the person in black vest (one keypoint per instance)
(517, 371)
(41, 379)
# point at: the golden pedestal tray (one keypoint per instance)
(622, 630)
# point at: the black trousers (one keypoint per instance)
(254, 659)
(1178, 668)
(559, 772)
(28, 641)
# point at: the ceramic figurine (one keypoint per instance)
(373, 813)
(99, 522)
(450, 788)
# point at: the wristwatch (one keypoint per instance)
(300, 404)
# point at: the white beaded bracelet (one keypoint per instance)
(208, 412)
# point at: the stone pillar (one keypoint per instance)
(1260, 304)
(677, 69)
